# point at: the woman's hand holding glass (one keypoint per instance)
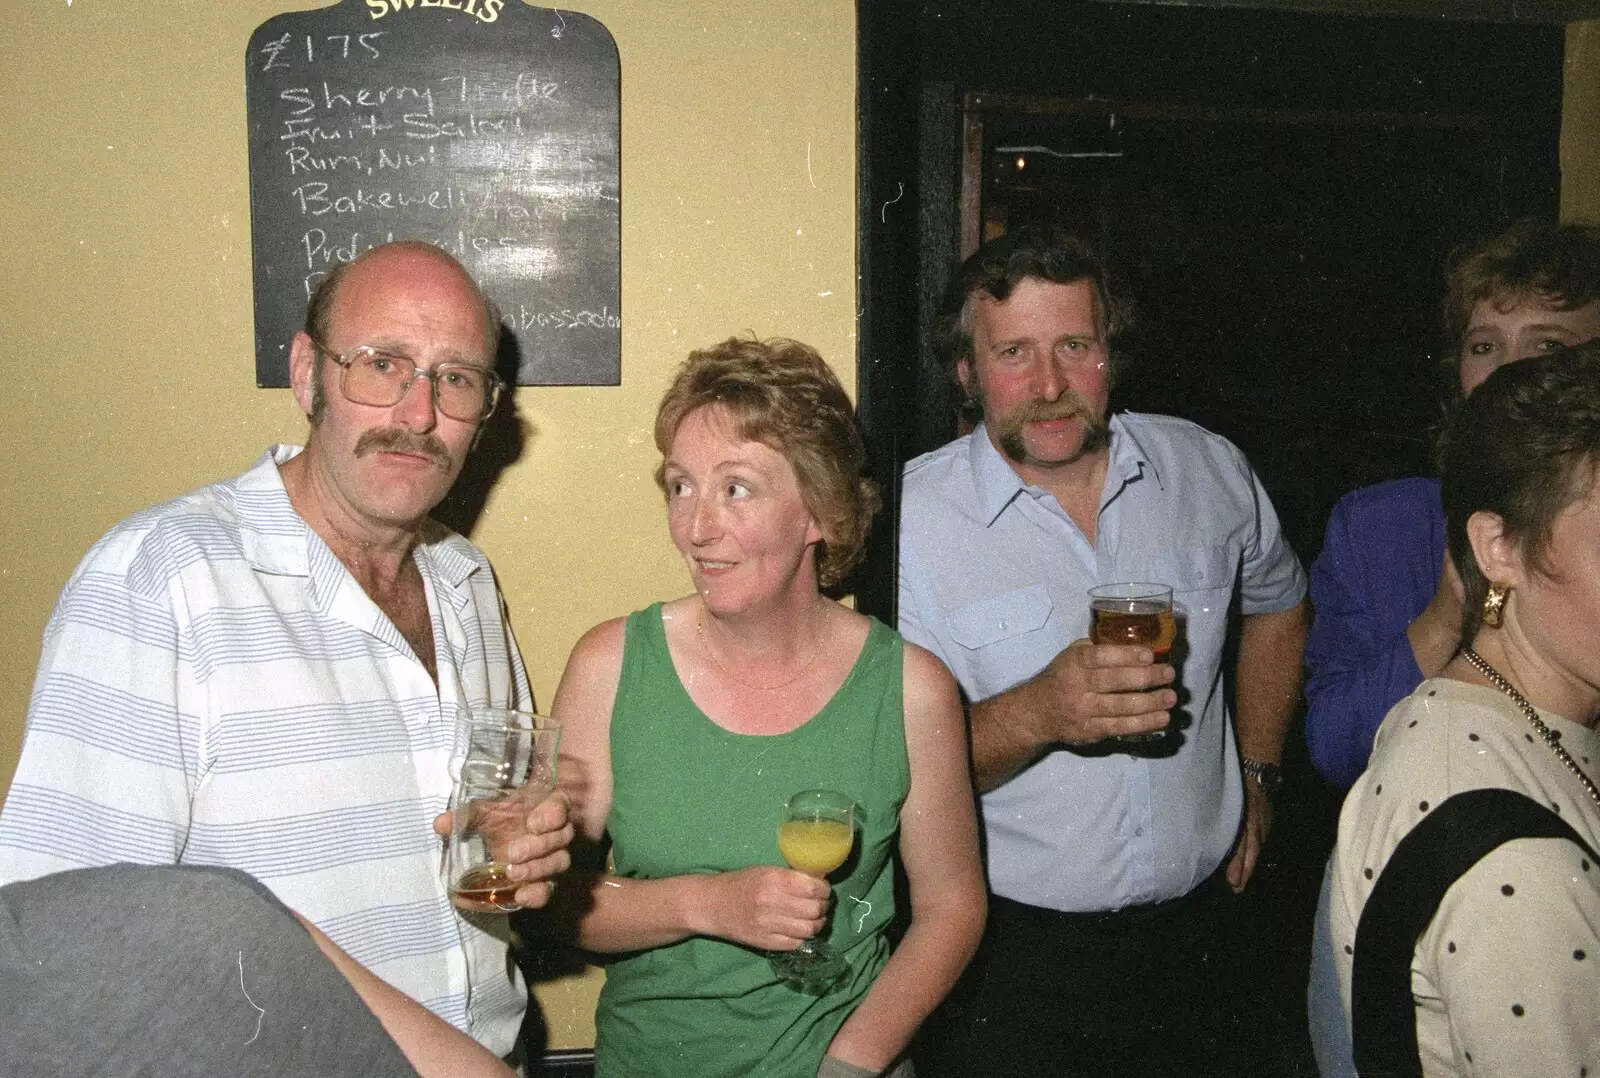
(764, 907)
(816, 836)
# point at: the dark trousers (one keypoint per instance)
(1150, 991)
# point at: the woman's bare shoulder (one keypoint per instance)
(926, 667)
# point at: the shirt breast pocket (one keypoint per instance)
(1202, 579)
(1199, 568)
(1007, 638)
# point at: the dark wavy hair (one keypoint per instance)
(782, 394)
(1524, 446)
(1048, 253)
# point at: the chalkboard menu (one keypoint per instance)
(487, 127)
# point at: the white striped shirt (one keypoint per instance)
(216, 688)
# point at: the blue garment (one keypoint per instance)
(993, 580)
(1378, 570)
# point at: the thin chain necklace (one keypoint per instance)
(1550, 738)
(705, 645)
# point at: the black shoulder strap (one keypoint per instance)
(1438, 851)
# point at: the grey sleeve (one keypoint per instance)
(134, 969)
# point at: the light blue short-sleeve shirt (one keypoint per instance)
(994, 578)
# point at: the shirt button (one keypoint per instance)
(1138, 832)
(1002, 624)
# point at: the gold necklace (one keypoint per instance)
(705, 645)
(1548, 735)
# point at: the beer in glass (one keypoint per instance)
(1138, 615)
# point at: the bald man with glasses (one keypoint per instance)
(264, 674)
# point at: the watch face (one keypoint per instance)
(1268, 776)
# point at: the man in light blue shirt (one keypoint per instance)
(1111, 863)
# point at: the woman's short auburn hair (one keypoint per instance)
(780, 393)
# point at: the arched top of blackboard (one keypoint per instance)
(488, 127)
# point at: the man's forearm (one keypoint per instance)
(1002, 739)
(1271, 647)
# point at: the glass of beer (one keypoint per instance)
(1136, 614)
(507, 765)
(815, 837)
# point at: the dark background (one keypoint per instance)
(1287, 190)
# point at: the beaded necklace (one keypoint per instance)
(1548, 735)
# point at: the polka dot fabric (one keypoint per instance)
(1504, 978)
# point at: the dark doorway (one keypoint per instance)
(1278, 189)
(1285, 263)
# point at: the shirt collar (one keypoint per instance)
(1129, 463)
(999, 484)
(274, 535)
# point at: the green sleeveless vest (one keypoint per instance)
(690, 796)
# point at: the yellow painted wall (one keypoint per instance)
(1580, 124)
(126, 318)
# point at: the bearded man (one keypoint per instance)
(1113, 864)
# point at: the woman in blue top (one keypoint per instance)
(1387, 599)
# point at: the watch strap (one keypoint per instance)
(1267, 776)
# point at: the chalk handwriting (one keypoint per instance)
(366, 42)
(528, 89)
(274, 51)
(360, 138)
(323, 251)
(566, 318)
(276, 54)
(301, 129)
(418, 126)
(349, 99)
(315, 200)
(303, 162)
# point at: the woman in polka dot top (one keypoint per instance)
(1506, 977)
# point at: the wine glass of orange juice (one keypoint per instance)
(815, 837)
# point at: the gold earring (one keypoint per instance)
(1494, 604)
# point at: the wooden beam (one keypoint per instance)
(971, 179)
(979, 105)
(1555, 12)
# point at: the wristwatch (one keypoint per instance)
(1267, 776)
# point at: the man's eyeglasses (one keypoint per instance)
(463, 391)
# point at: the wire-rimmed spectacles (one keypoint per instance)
(465, 392)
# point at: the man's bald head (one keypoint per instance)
(323, 306)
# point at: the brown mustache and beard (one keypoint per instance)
(1008, 428)
(395, 440)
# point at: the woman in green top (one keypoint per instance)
(688, 725)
